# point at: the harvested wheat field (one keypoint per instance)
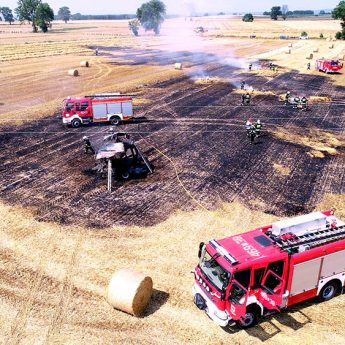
(63, 235)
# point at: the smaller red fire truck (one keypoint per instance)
(328, 66)
(113, 108)
(244, 277)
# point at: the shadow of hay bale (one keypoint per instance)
(158, 299)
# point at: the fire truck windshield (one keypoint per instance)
(216, 274)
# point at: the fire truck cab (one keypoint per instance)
(328, 66)
(244, 277)
(112, 108)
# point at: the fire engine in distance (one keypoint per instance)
(328, 66)
(112, 108)
(241, 278)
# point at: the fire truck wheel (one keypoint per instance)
(76, 123)
(328, 291)
(115, 120)
(250, 319)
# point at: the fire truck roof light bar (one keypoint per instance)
(315, 238)
(221, 250)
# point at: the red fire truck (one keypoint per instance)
(244, 277)
(328, 66)
(113, 108)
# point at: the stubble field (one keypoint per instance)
(63, 235)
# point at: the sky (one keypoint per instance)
(180, 6)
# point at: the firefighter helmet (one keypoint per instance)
(85, 137)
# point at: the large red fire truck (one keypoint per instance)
(244, 277)
(113, 108)
(328, 66)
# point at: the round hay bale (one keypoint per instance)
(329, 39)
(331, 46)
(315, 50)
(129, 291)
(84, 64)
(288, 51)
(334, 39)
(290, 45)
(309, 56)
(341, 57)
(178, 65)
(73, 72)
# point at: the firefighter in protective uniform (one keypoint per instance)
(287, 98)
(258, 127)
(88, 146)
(250, 66)
(242, 85)
(246, 98)
(304, 103)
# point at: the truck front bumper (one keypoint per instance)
(220, 317)
(66, 121)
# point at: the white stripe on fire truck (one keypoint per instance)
(221, 250)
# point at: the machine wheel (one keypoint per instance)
(328, 291)
(125, 175)
(250, 319)
(115, 120)
(76, 123)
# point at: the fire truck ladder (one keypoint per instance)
(312, 239)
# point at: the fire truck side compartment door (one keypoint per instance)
(99, 111)
(305, 276)
(114, 108)
(127, 109)
(236, 302)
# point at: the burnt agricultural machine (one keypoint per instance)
(121, 158)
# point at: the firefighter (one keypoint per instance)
(96, 52)
(252, 134)
(287, 98)
(250, 66)
(297, 103)
(304, 103)
(308, 66)
(258, 127)
(249, 124)
(246, 99)
(87, 146)
(271, 65)
(242, 85)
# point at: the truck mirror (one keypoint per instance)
(201, 246)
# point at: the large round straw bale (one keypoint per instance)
(290, 45)
(309, 56)
(129, 291)
(315, 50)
(331, 46)
(288, 51)
(329, 39)
(178, 65)
(84, 64)
(334, 39)
(73, 72)
(341, 57)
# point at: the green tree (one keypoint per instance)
(134, 26)
(248, 17)
(339, 13)
(44, 16)
(26, 10)
(64, 14)
(275, 12)
(151, 15)
(7, 14)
